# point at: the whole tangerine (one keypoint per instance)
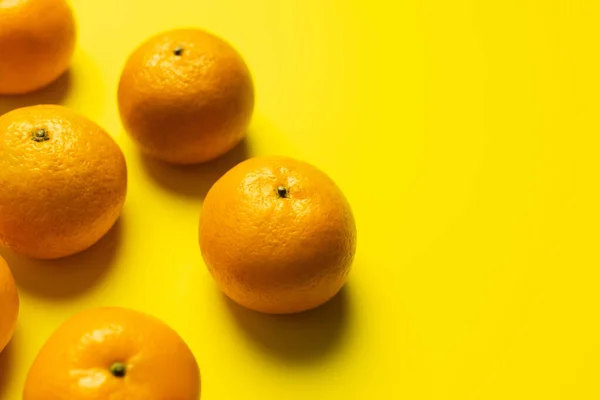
(63, 181)
(37, 39)
(186, 96)
(277, 235)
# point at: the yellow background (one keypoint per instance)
(465, 135)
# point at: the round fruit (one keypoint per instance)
(63, 181)
(186, 96)
(9, 304)
(277, 235)
(37, 39)
(113, 353)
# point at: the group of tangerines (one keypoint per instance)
(277, 234)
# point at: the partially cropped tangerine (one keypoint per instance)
(113, 353)
(277, 235)
(37, 39)
(9, 304)
(186, 96)
(63, 181)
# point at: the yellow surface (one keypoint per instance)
(464, 133)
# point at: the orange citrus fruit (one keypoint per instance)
(277, 235)
(37, 39)
(63, 181)
(186, 96)
(9, 304)
(113, 353)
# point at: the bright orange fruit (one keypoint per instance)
(113, 353)
(277, 235)
(37, 38)
(9, 304)
(63, 181)
(186, 96)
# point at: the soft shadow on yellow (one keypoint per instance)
(194, 180)
(55, 93)
(298, 338)
(70, 276)
(7, 358)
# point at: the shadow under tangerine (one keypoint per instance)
(69, 276)
(194, 180)
(55, 93)
(7, 358)
(298, 338)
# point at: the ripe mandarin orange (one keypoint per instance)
(277, 235)
(9, 304)
(186, 96)
(113, 353)
(63, 181)
(37, 38)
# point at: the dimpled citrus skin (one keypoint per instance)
(9, 304)
(188, 107)
(75, 363)
(62, 192)
(277, 254)
(37, 39)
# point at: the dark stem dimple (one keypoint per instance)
(178, 51)
(41, 135)
(283, 192)
(118, 369)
